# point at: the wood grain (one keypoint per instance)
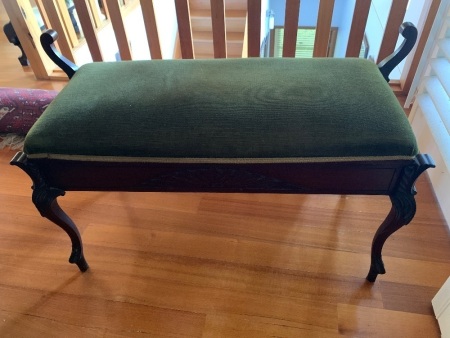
(254, 27)
(119, 29)
(359, 21)
(212, 265)
(390, 36)
(184, 28)
(291, 27)
(90, 34)
(151, 28)
(323, 28)
(219, 28)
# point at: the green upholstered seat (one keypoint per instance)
(238, 109)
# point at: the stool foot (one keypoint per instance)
(402, 211)
(80, 262)
(44, 198)
(376, 268)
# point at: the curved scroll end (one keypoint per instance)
(422, 163)
(47, 40)
(409, 32)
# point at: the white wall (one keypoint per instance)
(166, 20)
(431, 107)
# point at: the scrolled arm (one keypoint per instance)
(48, 38)
(409, 32)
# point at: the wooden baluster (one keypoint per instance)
(359, 22)
(56, 23)
(390, 37)
(148, 13)
(323, 28)
(67, 22)
(291, 27)
(245, 42)
(20, 13)
(422, 40)
(89, 32)
(43, 13)
(184, 28)
(254, 27)
(119, 29)
(106, 9)
(219, 28)
(95, 13)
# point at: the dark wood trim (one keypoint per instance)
(394, 178)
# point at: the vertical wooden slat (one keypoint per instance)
(56, 23)
(184, 28)
(219, 28)
(148, 13)
(254, 27)
(43, 13)
(323, 28)
(119, 29)
(390, 36)
(67, 22)
(28, 31)
(89, 32)
(424, 34)
(245, 42)
(359, 22)
(106, 9)
(291, 27)
(94, 12)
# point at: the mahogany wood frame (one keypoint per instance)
(394, 178)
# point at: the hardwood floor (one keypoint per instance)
(212, 265)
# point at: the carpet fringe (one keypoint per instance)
(12, 141)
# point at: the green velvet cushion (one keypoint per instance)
(235, 108)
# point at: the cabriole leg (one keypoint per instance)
(402, 211)
(44, 198)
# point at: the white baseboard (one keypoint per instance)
(441, 307)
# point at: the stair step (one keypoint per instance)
(206, 47)
(211, 56)
(203, 36)
(201, 20)
(229, 4)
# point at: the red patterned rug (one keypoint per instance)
(19, 110)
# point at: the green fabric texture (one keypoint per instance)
(234, 108)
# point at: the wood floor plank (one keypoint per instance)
(212, 265)
(224, 325)
(408, 298)
(362, 321)
(97, 314)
